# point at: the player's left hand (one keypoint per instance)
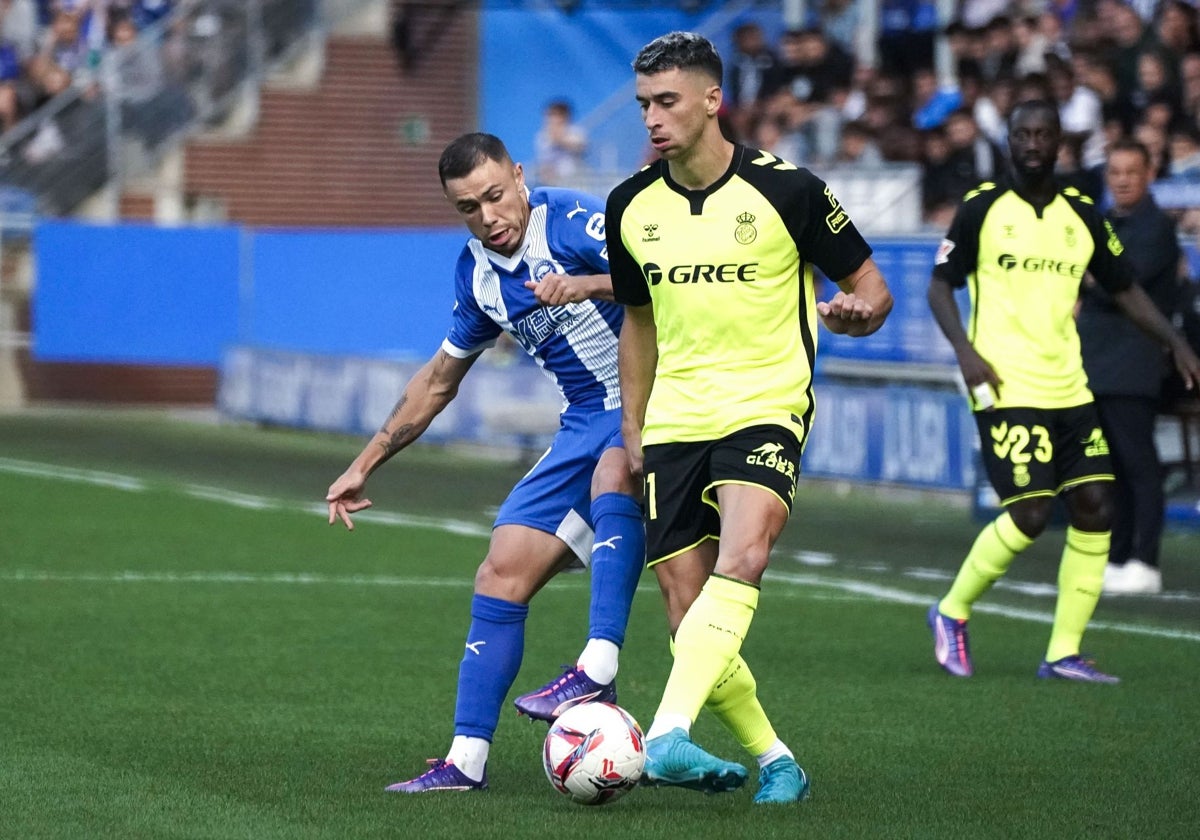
(556, 290)
(846, 314)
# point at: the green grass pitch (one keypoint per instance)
(187, 650)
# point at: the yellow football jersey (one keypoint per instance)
(1024, 265)
(728, 270)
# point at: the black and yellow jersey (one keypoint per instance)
(1024, 265)
(728, 270)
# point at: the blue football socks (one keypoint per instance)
(618, 557)
(495, 645)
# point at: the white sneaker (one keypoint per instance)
(1134, 578)
(1113, 573)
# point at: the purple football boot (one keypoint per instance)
(441, 775)
(558, 695)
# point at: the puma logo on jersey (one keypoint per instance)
(578, 209)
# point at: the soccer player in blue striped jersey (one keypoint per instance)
(535, 268)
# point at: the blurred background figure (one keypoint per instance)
(751, 65)
(1126, 368)
(560, 146)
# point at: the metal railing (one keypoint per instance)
(185, 73)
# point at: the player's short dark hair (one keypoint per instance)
(1043, 106)
(679, 51)
(1128, 144)
(467, 151)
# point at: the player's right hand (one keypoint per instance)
(632, 436)
(977, 371)
(343, 498)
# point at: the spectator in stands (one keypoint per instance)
(1069, 170)
(1189, 84)
(977, 14)
(1051, 28)
(992, 108)
(152, 105)
(906, 35)
(809, 66)
(1155, 86)
(1000, 49)
(19, 26)
(1126, 368)
(1185, 152)
(857, 146)
(1080, 111)
(751, 66)
(1178, 27)
(1033, 87)
(941, 185)
(1100, 78)
(63, 52)
(932, 102)
(840, 21)
(18, 37)
(1154, 138)
(773, 133)
(1032, 46)
(973, 157)
(1131, 38)
(560, 146)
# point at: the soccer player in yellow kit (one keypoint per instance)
(711, 250)
(1023, 248)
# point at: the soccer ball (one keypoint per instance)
(594, 753)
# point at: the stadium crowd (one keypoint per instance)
(1115, 69)
(48, 46)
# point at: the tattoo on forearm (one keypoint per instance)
(395, 411)
(398, 439)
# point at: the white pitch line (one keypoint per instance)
(102, 479)
(859, 588)
(900, 596)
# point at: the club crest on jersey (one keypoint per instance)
(546, 267)
(1070, 231)
(650, 231)
(745, 232)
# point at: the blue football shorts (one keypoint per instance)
(555, 496)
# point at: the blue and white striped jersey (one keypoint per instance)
(576, 344)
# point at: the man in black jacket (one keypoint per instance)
(1125, 370)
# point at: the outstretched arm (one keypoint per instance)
(637, 359)
(1140, 309)
(429, 391)
(861, 304)
(557, 289)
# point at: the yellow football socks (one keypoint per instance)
(734, 700)
(988, 559)
(706, 643)
(1080, 577)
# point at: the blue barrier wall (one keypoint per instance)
(134, 293)
(362, 293)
